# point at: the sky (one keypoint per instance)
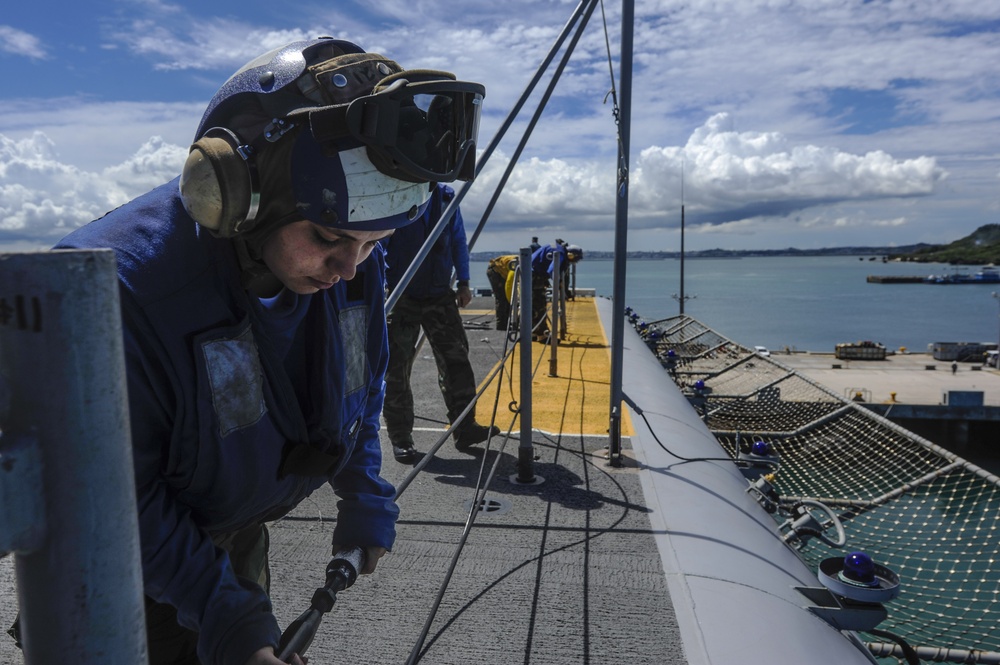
(776, 123)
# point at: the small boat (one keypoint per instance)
(986, 275)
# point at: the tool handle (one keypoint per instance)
(299, 635)
(344, 567)
(341, 573)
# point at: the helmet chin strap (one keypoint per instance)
(255, 276)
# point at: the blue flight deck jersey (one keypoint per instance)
(542, 263)
(214, 413)
(433, 278)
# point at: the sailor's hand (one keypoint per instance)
(265, 656)
(463, 296)
(372, 555)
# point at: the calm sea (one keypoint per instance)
(804, 303)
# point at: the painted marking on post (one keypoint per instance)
(17, 315)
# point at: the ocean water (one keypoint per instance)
(803, 303)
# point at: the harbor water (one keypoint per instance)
(802, 303)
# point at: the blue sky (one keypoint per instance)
(793, 124)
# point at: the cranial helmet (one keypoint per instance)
(574, 253)
(322, 130)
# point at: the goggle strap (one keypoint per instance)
(327, 123)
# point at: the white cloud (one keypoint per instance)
(732, 180)
(42, 198)
(19, 42)
(778, 157)
(730, 175)
(220, 44)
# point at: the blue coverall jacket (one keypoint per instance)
(214, 415)
(433, 278)
(542, 263)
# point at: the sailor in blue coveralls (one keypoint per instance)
(252, 295)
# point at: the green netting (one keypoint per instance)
(915, 507)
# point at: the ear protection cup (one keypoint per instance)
(220, 186)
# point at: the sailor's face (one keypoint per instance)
(307, 257)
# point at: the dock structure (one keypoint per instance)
(896, 279)
(959, 410)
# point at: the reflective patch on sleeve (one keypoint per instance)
(236, 381)
(354, 333)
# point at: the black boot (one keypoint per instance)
(474, 433)
(404, 451)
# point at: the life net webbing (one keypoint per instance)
(913, 506)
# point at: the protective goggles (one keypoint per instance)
(417, 126)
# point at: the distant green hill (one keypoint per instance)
(980, 247)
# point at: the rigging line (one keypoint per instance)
(508, 352)
(460, 193)
(444, 437)
(481, 488)
(611, 70)
(610, 529)
(589, 10)
(470, 520)
(661, 444)
(508, 121)
(585, 540)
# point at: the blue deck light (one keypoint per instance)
(859, 569)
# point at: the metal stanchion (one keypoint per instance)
(556, 331)
(79, 577)
(525, 450)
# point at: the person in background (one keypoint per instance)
(252, 297)
(542, 267)
(429, 303)
(501, 272)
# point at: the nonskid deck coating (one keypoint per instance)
(573, 395)
(566, 571)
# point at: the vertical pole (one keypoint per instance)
(621, 236)
(563, 297)
(556, 330)
(682, 260)
(997, 296)
(525, 451)
(80, 588)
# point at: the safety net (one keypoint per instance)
(911, 505)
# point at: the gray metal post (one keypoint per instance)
(555, 331)
(525, 451)
(997, 296)
(80, 585)
(621, 236)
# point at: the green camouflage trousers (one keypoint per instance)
(442, 324)
(172, 644)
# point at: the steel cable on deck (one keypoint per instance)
(481, 488)
(581, 15)
(483, 480)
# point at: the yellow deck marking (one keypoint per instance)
(576, 401)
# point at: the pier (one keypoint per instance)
(959, 411)
(896, 279)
